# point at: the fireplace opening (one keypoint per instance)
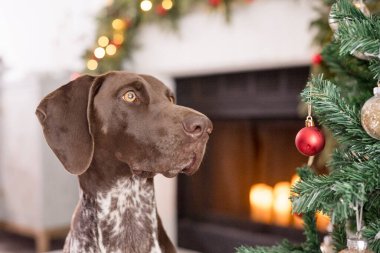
(241, 153)
(240, 194)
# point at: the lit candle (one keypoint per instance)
(295, 179)
(323, 222)
(261, 198)
(281, 204)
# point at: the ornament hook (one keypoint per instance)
(309, 122)
(359, 218)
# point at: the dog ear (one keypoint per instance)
(63, 115)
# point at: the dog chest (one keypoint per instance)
(124, 219)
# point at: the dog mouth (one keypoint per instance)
(189, 168)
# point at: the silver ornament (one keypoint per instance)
(356, 245)
(333, 23)
(361, 56)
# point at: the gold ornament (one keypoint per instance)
(370, 115)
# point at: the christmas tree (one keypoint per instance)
(343, 102)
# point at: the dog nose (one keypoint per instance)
(196, 126)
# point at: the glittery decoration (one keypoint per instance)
(355, 245)
(370, 117)
(355, 251)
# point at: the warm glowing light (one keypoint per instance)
(103, 41)
(146, 5)
(297, 221)
(261, 198)
(295, 179)
(111, 49)
(167, 4)
(323, 222)
(118, 38)
(99, 52)
(118, 24)
(281, 204)
(92, 64)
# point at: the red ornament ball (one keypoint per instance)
(310, 141)
(214, 3)
(317, 59)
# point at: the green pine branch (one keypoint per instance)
(372, 232)
(350, 181)
(344, 11)
(339, 236)
(357, 33)
(341, 118)
(312, 242)
(353, 75)
(375, 69)
(355, 175)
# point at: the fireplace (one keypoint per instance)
(255, 120)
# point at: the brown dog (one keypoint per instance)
(116, 131)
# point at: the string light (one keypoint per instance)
(92, 64)
(111, 49)
(146, 5)
(167, 4)
(103, 41)
(118, 24)
(99, 52)
(118, 38)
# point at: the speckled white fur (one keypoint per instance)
(128, 193)
(102, 223)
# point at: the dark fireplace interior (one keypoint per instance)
(255, 121)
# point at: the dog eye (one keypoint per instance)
(130, 97)
(171, 100)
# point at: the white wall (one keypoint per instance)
(46, 35)
(263, 34)
(36, 191)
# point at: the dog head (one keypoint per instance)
(129, 118)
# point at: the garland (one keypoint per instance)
(120, 21)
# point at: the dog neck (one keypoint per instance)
(120, 219)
